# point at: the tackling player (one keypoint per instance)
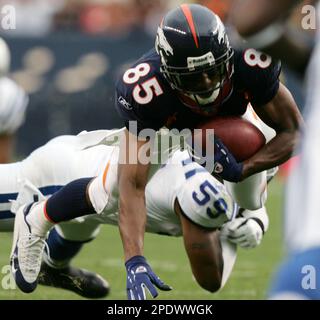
(192, 74)
(174, 209)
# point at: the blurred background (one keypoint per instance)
(66, 54)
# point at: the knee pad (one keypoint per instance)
(103, 189)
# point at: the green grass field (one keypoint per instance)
(249, 280)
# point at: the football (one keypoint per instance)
(241, 137)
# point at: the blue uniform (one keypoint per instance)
(297, 277)
(145, 96)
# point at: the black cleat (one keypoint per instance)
(85, 283)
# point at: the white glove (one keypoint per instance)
(246, 233)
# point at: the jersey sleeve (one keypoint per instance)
(260, 76)
(203, 199)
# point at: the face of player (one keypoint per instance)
(203, 87)
(202, 84)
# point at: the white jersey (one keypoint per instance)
(67, 158)
(202, 198)
(302, 214)
(13, 104)
(49, 168)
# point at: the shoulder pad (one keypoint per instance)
(203, 199)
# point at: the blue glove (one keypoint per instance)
(225, 165)
(140, 277)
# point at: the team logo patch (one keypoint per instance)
(163, 43)
(125, 103)
(141, 269)
(218, 168)
(220, 30)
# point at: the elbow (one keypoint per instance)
(212, 283)
(211, 286)
(289, 140)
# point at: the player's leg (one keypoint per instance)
(252, 192)
(35, 172)
(64, 243)
(67, 239)
(35, 220)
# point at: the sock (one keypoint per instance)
(37, 219)
(69, 202)
(61, 251)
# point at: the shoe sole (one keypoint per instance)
(21, 283)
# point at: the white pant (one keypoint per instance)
(252, 192)
(67, 158)
(48, 168)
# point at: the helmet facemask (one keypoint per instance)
(202, 84)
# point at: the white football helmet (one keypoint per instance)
(4, 58)
(13, 104)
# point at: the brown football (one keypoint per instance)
(241, 137)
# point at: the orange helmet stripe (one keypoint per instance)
(187, 12)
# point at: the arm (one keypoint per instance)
(282, 114)
(247, 229)
(132, 179)
(262, 13)
(204, 252)
(265, 29)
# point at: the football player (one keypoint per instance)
(297, 277)
(193, 73)
(194, 205)
(13, 104)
